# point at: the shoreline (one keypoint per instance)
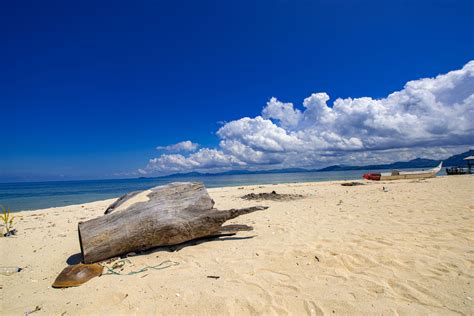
(81, 198)
(210, 190)
(360, 250)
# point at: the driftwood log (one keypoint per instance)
(161, 216)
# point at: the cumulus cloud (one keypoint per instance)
(203, 159)
(428, 117)
(181, 146)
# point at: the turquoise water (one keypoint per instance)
(38, 195)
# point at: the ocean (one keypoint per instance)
(39, 195)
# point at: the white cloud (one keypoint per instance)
(204, 159)
(284, 112)
(429, 117)
(181, 146)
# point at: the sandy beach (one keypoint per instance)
(408, 249)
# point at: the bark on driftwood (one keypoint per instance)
(162, 216)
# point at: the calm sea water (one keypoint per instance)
(38, 195)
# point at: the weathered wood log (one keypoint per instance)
(162, 216)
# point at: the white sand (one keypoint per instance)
(356, 250)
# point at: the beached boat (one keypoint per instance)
(397, 175)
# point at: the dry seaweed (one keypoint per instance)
(272, 196)
(351, 184)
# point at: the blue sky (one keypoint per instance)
(90, 90)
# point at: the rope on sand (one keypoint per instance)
(163, 265)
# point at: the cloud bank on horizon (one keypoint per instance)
(429, 117)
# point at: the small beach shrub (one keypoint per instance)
(7, 220)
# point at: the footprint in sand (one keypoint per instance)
(414, 292)
(313, 309)
(269, 299)
(280, 283)
(272, 286)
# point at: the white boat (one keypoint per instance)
(397, 175)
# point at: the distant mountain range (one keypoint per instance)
(456, 160)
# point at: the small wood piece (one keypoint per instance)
(162, 216)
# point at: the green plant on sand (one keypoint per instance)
(7, 221)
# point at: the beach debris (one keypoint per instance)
(77, 274)
(385, 189)
(11, 233)
(37, 309)
(161, 216)
(351, 184)
(110, 260)
(213, 277)
(9, 270)
(120, 265)
(272, 196)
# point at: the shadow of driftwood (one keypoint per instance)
(74, 259)
(194, 242)
(77, 257)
